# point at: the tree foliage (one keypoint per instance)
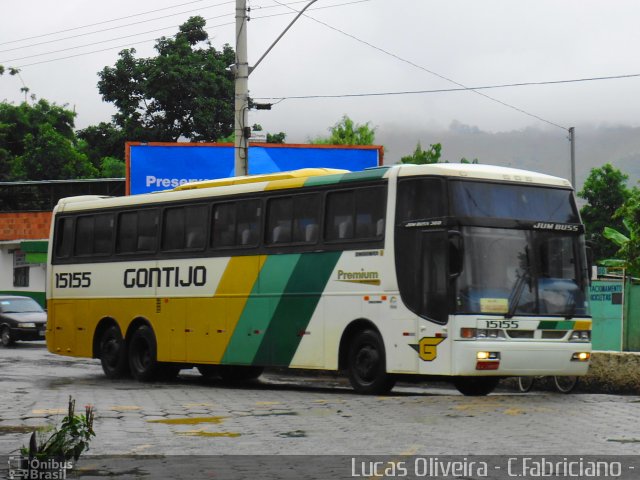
(606, 191)
(628, 254)
(186, 91)
(347, 132)
(422, 157)
(37, 142)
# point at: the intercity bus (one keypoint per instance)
(468, 273)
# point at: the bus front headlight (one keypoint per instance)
(580, 336)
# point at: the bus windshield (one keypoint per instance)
(527, 272)
(512, 201)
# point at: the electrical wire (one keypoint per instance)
(115, 28)
(464, 87)
(107, 21)
(154, 39)
(443, 90)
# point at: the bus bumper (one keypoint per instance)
(520, 358)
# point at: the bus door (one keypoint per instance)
(437, 267)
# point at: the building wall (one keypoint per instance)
(24, 225)
(16, 227)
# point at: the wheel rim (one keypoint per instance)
(366, 364)
(6, 336)
(111, 352)
(565, 384)
(142, 357)
(525, 384)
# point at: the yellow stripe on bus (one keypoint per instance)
(582, 325)
(234, 289)
(288, 183)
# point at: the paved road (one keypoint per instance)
(283, 414)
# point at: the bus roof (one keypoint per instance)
(267, 177)
(310, 177)
(483, 172)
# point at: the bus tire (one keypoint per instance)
(476, 386)
(143, 359)
(367, 367)
(113, 353)
(239, 373)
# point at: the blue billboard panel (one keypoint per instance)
(153, 167)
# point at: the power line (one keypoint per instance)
(397, 57)
(115, 28)
(154, 39)
(106, 21)
(444, 90)
(104, 41)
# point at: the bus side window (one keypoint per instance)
(236, 224)
(184, 228)
(224, 224)
(137, 231)
(94, 234)
(64, 237)
(355, 214)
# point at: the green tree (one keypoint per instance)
(26, 133)
(111, 167)
(422, 157)
(186, 91)
(347, 132)
(50, 155)
(628, 254)
(101, 141)
(606, 191)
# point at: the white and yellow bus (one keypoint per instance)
(467, 272)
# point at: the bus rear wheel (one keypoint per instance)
(113, 354)
(367, 365)
(143, 354)
(475, 386)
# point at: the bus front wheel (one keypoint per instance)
(475, 386)
(143, 354)
(113, 354)
(367, 364)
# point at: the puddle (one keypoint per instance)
(202, 433)
(293, 434)
(624, 440)
(189, 420)
(272, 414)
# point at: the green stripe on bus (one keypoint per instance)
(296, 307)
(555, 325)
(323, 180)
(258, 311)
(372, 174)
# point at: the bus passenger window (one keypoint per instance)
(184, 228)
(356, 214)
(236, 224)
(94, 234)
(224, 224)
(64, 237)
(137, 232)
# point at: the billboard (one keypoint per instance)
(152, 167)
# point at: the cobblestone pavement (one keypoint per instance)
(286, 414)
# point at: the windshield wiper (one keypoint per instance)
(518, 287)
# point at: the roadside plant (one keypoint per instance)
(68, 441)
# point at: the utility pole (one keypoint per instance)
(242, 71)
(242, 129)
(572, 143)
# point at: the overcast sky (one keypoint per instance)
(474, 43)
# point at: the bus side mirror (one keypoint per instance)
(456, 254)
(589, 251)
